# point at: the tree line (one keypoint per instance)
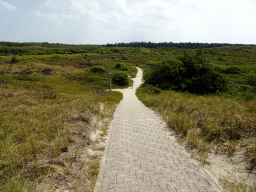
(188, 45)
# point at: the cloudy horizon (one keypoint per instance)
(115, 21)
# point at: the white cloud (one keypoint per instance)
(73, 9)
(3, 4)
(54, 17)
(149, 20)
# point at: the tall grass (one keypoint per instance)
(208, 122)
(36, 113)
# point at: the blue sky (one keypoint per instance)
(111, 21)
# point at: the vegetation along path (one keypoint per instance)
(141, 155)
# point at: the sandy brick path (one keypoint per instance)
(141, 155)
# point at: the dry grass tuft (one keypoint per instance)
(47, 71)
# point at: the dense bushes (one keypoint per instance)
(98, 69)
(250, 78)
(121, 66)
(120, 78)
(227, 69)
(189, 72)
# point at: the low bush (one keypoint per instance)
(120, 78)
(149, 89)
(56, 57)
(121, 66)
(124, 68)
(118, 65)
(249, 95)
(125, 58)
(233, 70)
(250, 78)
(98, 69)
(15, 59)
(227, 69)
(221, 58)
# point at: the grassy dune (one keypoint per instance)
(208, 123)
(51, 104)
(41, 100)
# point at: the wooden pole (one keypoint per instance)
(109, 81)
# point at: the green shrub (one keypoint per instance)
(221, 58)
(219, 68)
(121, 66)
(250, 78)
(120, 78)
(15, 59)
(233, 70)
(249, 95)
(187, 73)
(118, 65)
(98, 69)
(243, 88)
(150, 89)
(56, 57)
(31, 58)
(227, 69)
(124, 68)
(125, 58)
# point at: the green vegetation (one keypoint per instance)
(210, 103)
(171, 45)
(14, 59)
(42, 99)
(120, 78)
(98, 69)
(208, 96)
(186, 73)
(121, 66)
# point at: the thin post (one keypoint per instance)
(109, 81)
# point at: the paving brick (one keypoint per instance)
(141, 155)
(114, 186)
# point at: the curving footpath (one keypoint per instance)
(141, 155)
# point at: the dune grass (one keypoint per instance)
(38, 102)
(43, 96)
(207, 121)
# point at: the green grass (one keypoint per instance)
(207, 123)
(35, 114)
(36, 107)
(206, 120)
